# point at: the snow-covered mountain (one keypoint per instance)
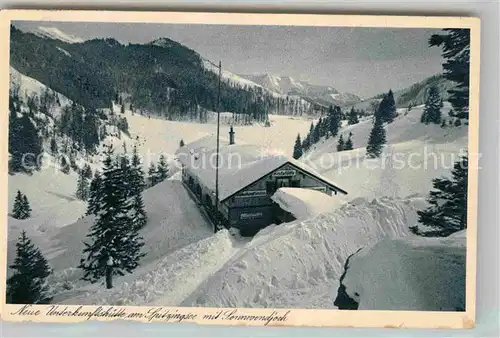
(286, 85)
(57, 34)
(413, 95)
(296, 264)
(187, 265)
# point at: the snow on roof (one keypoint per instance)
(239, 164)
(304, 203)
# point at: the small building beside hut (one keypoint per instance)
(248, 177)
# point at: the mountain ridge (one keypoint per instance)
(287, 85)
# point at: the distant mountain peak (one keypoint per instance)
(56, 34)
(287, 85)
(163, 42)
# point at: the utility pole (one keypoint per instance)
(217, 156)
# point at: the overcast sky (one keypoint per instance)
(363, 61)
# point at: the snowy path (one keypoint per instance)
(299, 264)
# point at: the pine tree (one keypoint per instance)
(95, 194)
(26, 208)
(432, 109)
(348, 145)
(87, 172)
(340, 144)
(316, 132)
(53, 146)
(23, 139)
(334, 117)
(27, 285)
(18, 209)
(458, 123)
(387, 108)
(455, 44)
(162, 170)
(297, 148)
(82, 187)
(115, 245)
(181, 144)
(353, 117)
(152, 176)
(65, 166)
(376, 140)
(139, 216)
(137, 176)
(137, 185)
(447, 211)
(391, 113)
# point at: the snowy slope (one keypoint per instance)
(299, 264)
(414, 155)
(169, 280)
(29, 87)
(173, 223)
(157, 136)
(56, 34)
(412, 273)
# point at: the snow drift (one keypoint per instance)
(299, 264)
(411, 273)
(170, 280)
(174, 221)
(305, 203)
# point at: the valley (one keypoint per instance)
(159, 97)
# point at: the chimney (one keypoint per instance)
(231, 135)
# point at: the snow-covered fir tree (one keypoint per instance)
(162, 170)
(376, 140)
(95, 194)
(297, 148)
(27, 285)
(152, 176)
(87, 172)
(334, 119)
(447, 211)
(387, 108)
(26, 208)
(137, 185)
(348, 144)
(82, 187)
(138, 214)
(114, 246)
(352, 117)
(455, 43)
(340, 144)
(64, 165)
(18, 209)
(53, 146)
(432, 109)
(316, 135)
(23, 139)
(137, 176)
